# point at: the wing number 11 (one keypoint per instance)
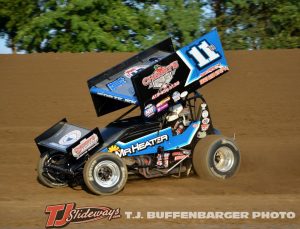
(203, 53)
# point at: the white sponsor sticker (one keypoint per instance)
(184, 94)
(205, 114)
(205, 121)
(149, 110)
(70, 138)
(176, 96)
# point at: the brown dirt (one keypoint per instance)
(258, 101)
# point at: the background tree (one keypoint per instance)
(130, 25)
(79, 26)
(256, 24)
(14, 16)
(180, 19)
(97, 25)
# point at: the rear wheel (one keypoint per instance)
(216, 157)
(48, 176)
(105, 174)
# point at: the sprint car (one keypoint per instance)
(173, 133)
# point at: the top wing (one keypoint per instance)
(113, 89)
(159, 75)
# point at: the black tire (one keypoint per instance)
(48, 177)
(105, 174)
(216, 157)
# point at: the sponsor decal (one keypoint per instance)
(195, 125)
(204, 113)
(184, 94)
(162, 107)
(117, 83)
(220, 69)
(210, 70)
(85, 145)
(161, 79)
(118, 98)
(203, 106)
(161, 76)
(61, 215)
(138, 146)
(162, 102)
(176, 96)
(113, 149)
(205, 120)
(178, 156)
(204, 127)
(149, 110)
(134, 70)
(165, 89)
(201, 134)
(70, 138)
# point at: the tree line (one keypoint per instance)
(132, 25)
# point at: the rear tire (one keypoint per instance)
(216, 157)
(105, 174)
(48, 177)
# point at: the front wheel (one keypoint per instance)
(48, 176)
(105, 174)
(216, 157)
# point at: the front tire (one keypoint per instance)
(105, 174)
(216, 157)
(49, 177)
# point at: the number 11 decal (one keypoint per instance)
(204, 54)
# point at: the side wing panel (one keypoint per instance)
(160, 86)
(205, 58)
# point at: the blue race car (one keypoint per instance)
(173, 134)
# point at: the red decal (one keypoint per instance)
(53, 220)
(62, 214)
(162, 75)
(85, 145)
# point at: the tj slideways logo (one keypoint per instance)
(61, 215)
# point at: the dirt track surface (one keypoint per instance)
(258, 101)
